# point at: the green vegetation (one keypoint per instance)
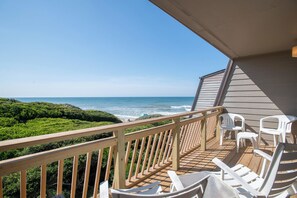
(13, 111)
(18, 120)
(41, 126)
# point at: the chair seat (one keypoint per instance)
(271, 131)
(247, 174)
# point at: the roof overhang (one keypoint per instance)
(238, 28)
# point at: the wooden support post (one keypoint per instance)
(218, 124)
(120, 166)
(176, 144)
(203, 132)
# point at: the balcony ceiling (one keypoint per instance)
(238, 28)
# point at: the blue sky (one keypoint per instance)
(99, 48)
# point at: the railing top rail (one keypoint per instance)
(46, 157)
(43, 139)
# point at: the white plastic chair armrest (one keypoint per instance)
(175, 180)
(261, 122)
(104, 190)
(228, 170)
(155, 186)
(263, 154)
(242, 121)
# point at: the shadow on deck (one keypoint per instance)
(201, 161)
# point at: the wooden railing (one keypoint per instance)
(132, 157)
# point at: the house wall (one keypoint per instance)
(207, 93)
(260, 86)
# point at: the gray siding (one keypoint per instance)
(207, 95)
(262, 86)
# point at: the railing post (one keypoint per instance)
(176, 144)
(120, 168)
(218, 124)
(203, 132)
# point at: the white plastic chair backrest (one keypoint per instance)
(190, 191)
(228, 119)
(282, 172)
(282, 122)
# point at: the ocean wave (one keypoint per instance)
(126, 116)
(166, 113)
(185, 107)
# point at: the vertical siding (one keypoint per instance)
(209, 91)
(262, 86)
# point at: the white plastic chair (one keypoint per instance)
(213, 188)
(227, 123)
(282, 125)
(153, 188)
(278, 180)
(194, 190)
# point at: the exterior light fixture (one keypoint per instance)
(294, 51)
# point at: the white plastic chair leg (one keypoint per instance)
(237, 144)
(221, 137)
(274, 140)
(254, 143)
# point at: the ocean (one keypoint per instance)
(125, 107)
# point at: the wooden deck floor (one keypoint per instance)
(201, 161)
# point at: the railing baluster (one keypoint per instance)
(162, 148)
(152, 152)
(210, 128)
(183, 130)
(140, 156)
(98, 172)
(199, 132)
(109, 163)
(74, 176)
(193, 134)
(169, 155)
(158, 149)
(43, 181)
(60, 176)
(127, 152)
(146, 153)
(167, 147)
(196, 137)
(187, 138)
(133, 159)
(87, 174)
(23, 189)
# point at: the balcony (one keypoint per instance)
(185, 142)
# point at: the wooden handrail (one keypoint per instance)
(45, 157)
(144, 152)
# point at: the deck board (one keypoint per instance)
(201, 161)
